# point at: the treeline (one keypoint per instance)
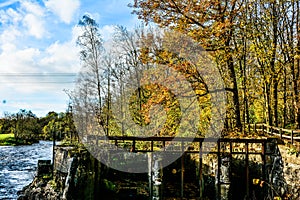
(27, 126)
(255, 46)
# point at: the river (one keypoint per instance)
(18, 166)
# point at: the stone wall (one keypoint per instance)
(292, 177)
(76, 176)
(233, 176)
(63, 157)
(291, 171)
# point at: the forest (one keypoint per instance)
(254, 45)
(25, 127)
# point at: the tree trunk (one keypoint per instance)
(285, 99)
(268, 104)
(275, 98)
(236, 102)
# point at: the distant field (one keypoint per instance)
(6, 136)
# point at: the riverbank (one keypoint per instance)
(10, 140)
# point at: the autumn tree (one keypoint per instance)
(209, 23)
(138, 56)
(127, 72)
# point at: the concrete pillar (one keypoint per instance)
(224, 184)
(155, 176)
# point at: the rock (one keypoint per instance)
(22, 197)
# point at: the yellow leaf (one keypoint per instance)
(255, 181)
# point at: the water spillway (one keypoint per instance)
(18, 166)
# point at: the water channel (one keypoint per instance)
(18, 166)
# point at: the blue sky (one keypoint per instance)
(38, 53)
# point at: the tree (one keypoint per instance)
(87, 98)
(7, 124)
(27, 126)
(211, 23)
(128, 69)
(60, 124)
(91, 46)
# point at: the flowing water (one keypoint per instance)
(18, 166)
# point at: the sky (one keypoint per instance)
(38, 53)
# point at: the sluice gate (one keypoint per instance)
(222, 149)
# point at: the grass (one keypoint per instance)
(6, 136)
(7, 139)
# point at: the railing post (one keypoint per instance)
(200, 171)
(182, 170)
(133, 146)
(152, 145)
(219, 171)
(280, 132)
(292, 137)
(150, 174)
(247, 170)
(263, 155)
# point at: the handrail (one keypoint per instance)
(283, 133)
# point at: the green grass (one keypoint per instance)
(7, 139)
(6, 136)
(10, 140)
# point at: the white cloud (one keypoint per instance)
(33, 19)
(7, 3)
(63, 57)
(10, 16)
(28, 18)
(34, 25)
(13, 60)
(9, 35)
(107, 32)
(64, 9)
(33, 8)
(9, 20)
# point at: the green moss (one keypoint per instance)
(292, 150)
(47, 176)
(108, 185)
(53, 184)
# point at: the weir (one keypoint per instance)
(225, 149)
